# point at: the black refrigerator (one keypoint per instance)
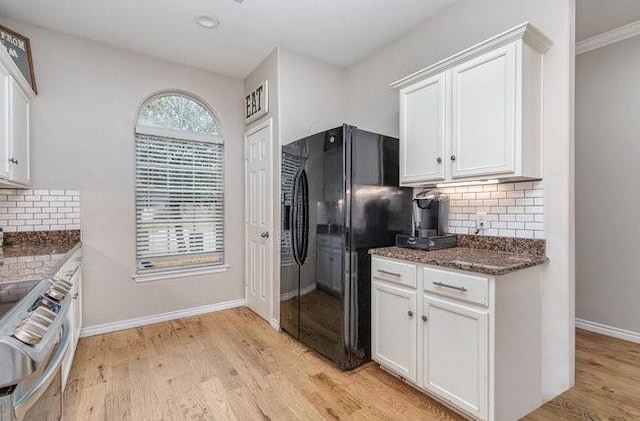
(339, 198)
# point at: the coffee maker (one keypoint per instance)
(430, 214)
(430, 223)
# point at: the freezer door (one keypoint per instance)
(289, 270)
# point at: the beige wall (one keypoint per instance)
(313, 96)
(82, 139)
(607, 194)
(373, 106)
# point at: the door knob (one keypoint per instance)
(439, 160)
(453, 157)
(265, 234)
(424, 318)
(410, 313)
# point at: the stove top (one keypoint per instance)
(12, 292)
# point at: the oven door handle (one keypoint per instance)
(25, 401)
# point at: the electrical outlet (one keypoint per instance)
(481, 220)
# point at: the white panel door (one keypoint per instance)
(423, 130)
(455, 354)
(258, 190)
(394, 329)
(19, 134)
(483, 119)
(4, 122)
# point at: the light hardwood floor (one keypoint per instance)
(233, 365)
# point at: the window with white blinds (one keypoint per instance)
(179, 186)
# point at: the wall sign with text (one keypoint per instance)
(19, 50)
(256, 103)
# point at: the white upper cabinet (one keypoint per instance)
(19, 134)
(476, 115)
(15, 109)
(422, 126)
(4, 122)
(483, 114)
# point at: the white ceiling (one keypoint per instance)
(340, 32)
(593, 17)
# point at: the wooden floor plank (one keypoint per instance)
(232, 365)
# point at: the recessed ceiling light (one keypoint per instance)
(208, 22)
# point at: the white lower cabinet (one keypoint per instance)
(455, 354)
(74, 315)
(471, 341)
(394, 335)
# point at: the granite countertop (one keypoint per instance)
(487, 255)
(28, 256)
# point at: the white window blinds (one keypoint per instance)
(179, 203)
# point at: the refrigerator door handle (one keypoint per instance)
(294, 218)
(304, 188)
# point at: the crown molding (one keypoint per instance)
(609, 37)
(525, 31)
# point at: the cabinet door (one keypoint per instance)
(394, 329)
(4, 122)
(77, 304)
(19, 134)
(455, 355)
(483, 132)
(423, 130)
(74, 321)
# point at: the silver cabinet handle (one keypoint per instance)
(440, 284)
(410, 313)
(265, 234)
(389, 273)
(13, 161)
(424, 318)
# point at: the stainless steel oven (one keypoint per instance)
(39, 397)
(34, 340)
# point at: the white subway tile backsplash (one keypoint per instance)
(505, 187)
(39, 210)
(513, 209)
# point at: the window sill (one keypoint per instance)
(179, 273)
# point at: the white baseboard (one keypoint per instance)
(158, 318)
(275, 324)
(614, 332)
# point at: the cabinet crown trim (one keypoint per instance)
(525, 32)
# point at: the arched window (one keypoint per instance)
(179, 185)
